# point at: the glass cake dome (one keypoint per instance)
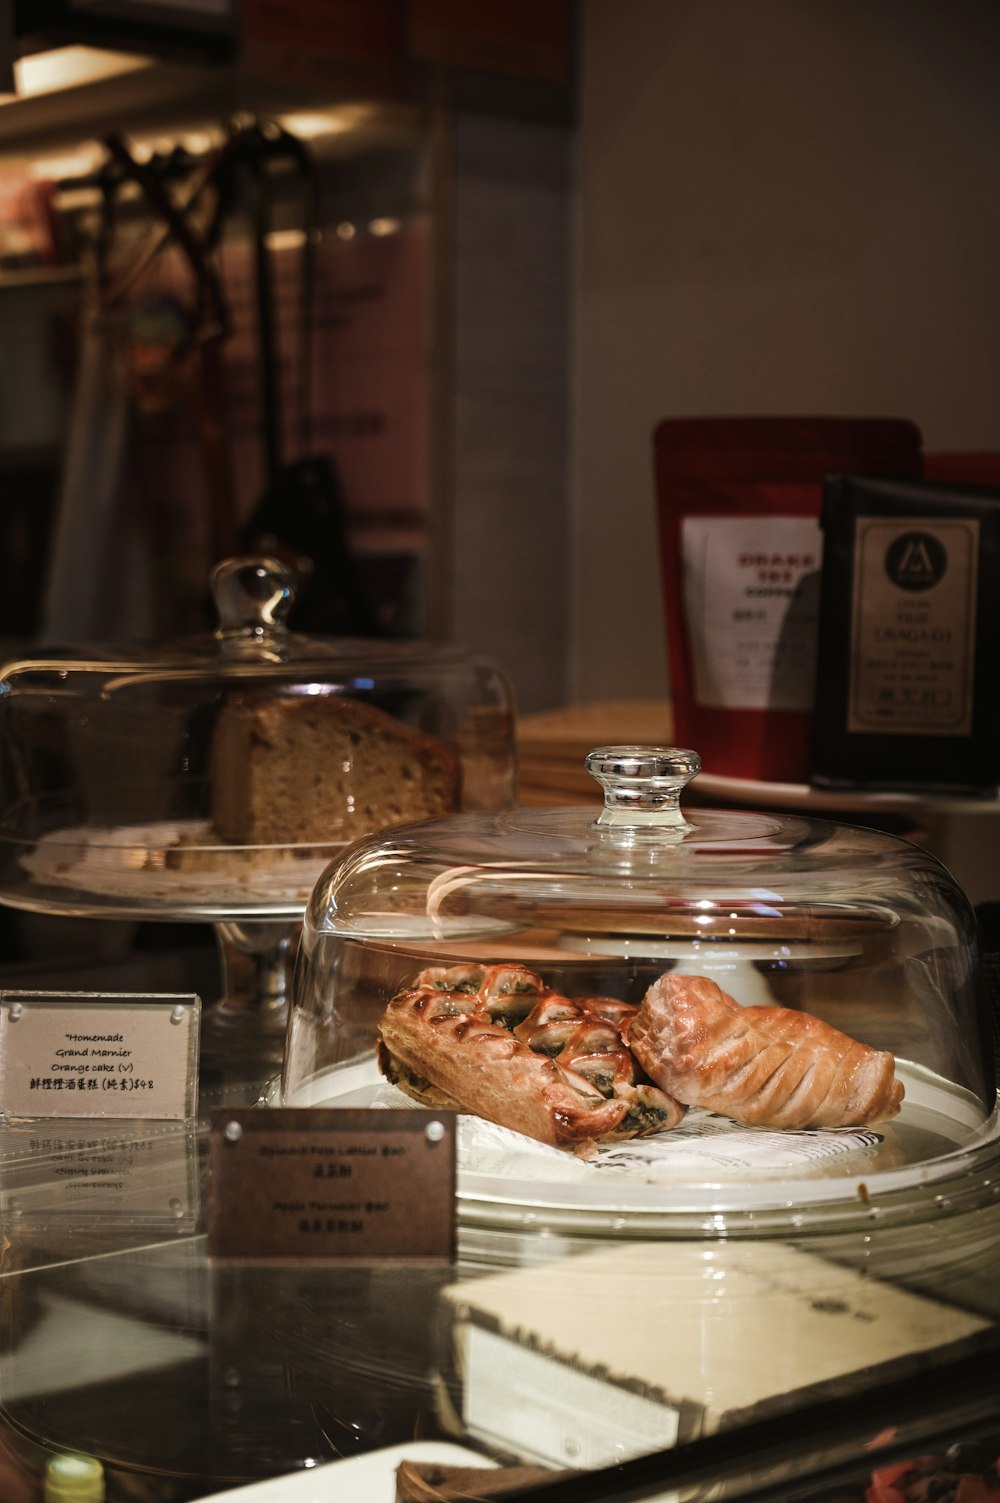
(215, 777)
(654, 1018)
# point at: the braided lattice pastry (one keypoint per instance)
(494, 1041)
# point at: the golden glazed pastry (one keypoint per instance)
(762, 1066)
(494, 1042)
(291, 769)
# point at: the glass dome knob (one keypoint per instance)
(253, 597)
(642, 784)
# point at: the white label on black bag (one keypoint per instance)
(751, 597)
(913, 619)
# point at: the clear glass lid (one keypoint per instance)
(216, 776)
(655, 1010)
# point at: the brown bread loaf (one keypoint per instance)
(295, 769)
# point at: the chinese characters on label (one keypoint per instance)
(321, 1183)
(78, 1055)
(88, 1063)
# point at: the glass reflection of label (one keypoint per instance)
(146, 1174)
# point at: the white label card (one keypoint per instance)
(85, 1054)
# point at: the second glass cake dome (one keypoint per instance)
(657, 1019)
(214, 777)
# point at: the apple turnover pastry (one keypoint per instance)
(762, 1066)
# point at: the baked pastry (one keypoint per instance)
(297, 768)
(493, 1041)
(762, 1066)
(430, 1482)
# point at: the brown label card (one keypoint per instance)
(85, 1054)
(317, 1184)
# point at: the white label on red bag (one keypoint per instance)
(751, 599)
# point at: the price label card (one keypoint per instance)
(316, 1184)
(84, 1054)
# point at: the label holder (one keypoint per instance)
(99, 1055)
(319, 1184)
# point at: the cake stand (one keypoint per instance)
(110, 776)
(170, 871)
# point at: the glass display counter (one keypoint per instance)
(829, 1336)
(566, 1366)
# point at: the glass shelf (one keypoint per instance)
(640, 1370)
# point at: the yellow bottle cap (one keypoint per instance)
(74, 1479)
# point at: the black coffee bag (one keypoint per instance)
(908, 664)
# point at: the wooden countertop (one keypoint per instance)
(552, 745)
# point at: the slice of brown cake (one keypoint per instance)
(291, 769)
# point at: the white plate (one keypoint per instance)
(356, 1479)
(706, 1168)
(126, 870)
